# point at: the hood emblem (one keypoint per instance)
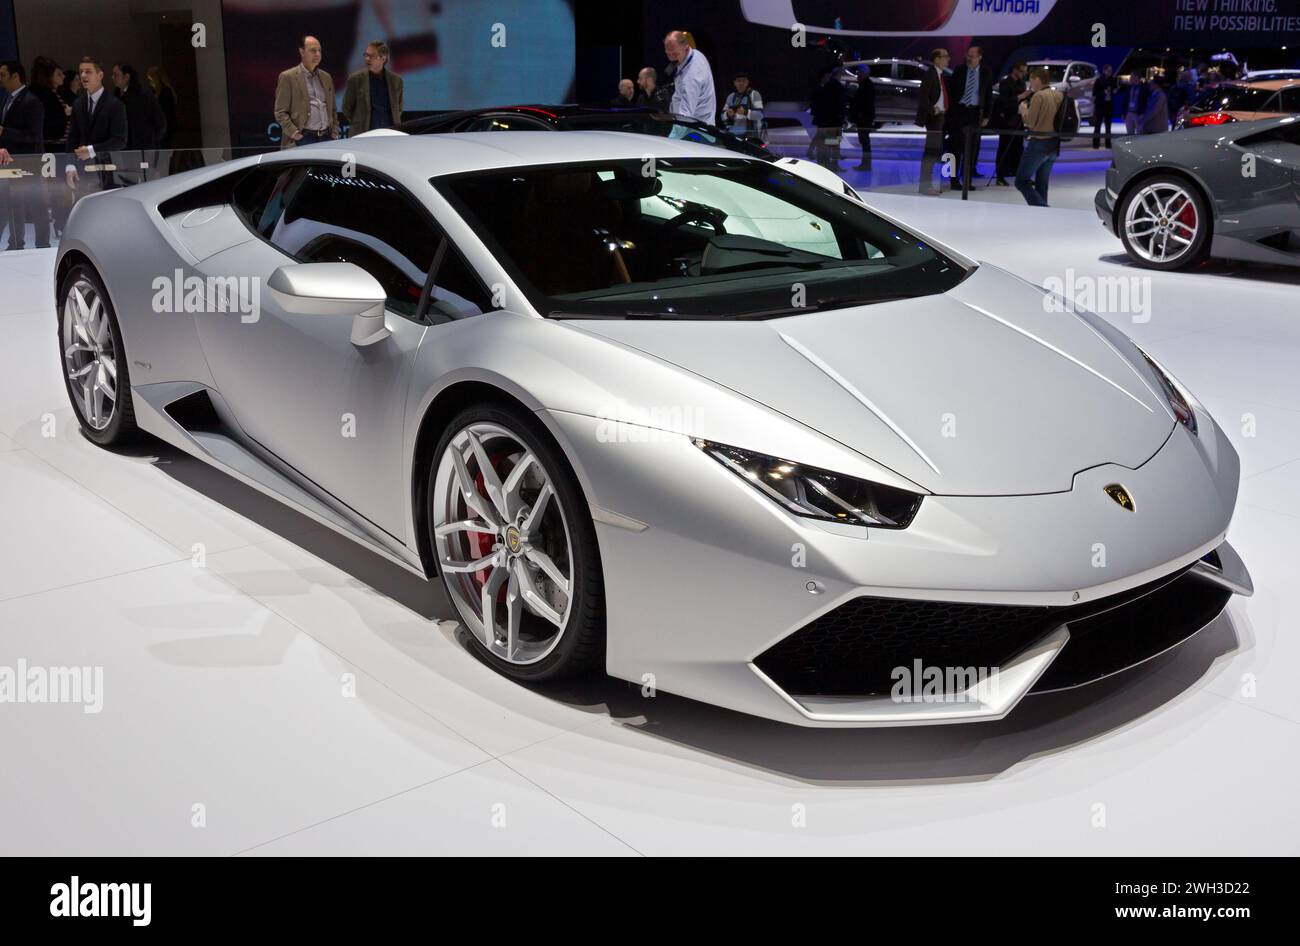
(1121, 496)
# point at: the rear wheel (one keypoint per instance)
(94, 365)
(516, 546)
(1165, 224)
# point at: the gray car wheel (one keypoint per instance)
(1164, 223)
(516, 546)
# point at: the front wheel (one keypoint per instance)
(516, 546)
(94, 363)
(1165, 224)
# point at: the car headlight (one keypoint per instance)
(1180, 401)
(816, 493)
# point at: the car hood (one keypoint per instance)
(984, 390)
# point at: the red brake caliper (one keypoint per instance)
(480, 542)
(1187, 216)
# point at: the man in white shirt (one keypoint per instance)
(693, 94)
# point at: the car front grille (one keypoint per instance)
(853, 650)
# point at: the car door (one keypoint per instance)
(1263, 194)
(329, 407)
(1081, 79)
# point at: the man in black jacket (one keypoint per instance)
(1104, 92)
(1012, 90)
(970, 88)
(828, 107)
(145, 123)
(98, 125)
(862, 110)
(22, 131)
(931, 110)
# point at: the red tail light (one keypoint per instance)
(1210, 118)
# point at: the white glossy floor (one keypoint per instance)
(224, 680)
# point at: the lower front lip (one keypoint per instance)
(1104, 204)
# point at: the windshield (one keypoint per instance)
(1232, 98)
(697, 238)
(1054, 73)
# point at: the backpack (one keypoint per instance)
(1067, 116)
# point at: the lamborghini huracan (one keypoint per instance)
(686, 418)
(1229, 191)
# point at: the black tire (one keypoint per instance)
(581, 647)
(1200, 242)
(121, 428)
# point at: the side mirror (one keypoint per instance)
(333, 289)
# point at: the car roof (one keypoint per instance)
(544, 112)
(1270, 85)
(425, 156)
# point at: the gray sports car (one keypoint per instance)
(1229, 191)
(647, 406)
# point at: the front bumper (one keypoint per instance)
(705, 584)
(1104, 204)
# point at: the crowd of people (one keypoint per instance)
(73, 115)
(686, 87)
(1032, 116)
(90, 111)
(85, 116)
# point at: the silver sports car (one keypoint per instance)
(679, 415)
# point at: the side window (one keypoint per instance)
(1290, 99)
(260, 196)
(364, 220)
(1084, 71)
(457, 291)
(907, 70)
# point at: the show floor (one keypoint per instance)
(233, 634)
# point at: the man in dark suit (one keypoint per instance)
(372, 97)
(22, 131)
(1103, 104)
(98, 125)
(862, 109)
(971, 90)
(1135, 94)
(145, 123)
(1012, 90)
(931, 110)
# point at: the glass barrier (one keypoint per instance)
(38, 191)
(894, 161)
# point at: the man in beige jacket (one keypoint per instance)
(304, 99)
(1040, 113)
(373, 96)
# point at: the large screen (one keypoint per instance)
(8, 32)
(451, 53)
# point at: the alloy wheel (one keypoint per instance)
(1162, 222)
(89, 354)
(503, 544)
